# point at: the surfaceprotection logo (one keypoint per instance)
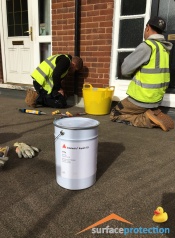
(124, 231)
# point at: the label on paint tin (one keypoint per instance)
(78, 159)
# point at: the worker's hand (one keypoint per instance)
(56, 93)
(24, 150)
(61, 91)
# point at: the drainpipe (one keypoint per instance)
(77, 45)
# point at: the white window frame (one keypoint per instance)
(121, 84)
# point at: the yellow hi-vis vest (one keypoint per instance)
(151, 80)
(43, 73)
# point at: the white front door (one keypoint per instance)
(18, 40)
(24, 33)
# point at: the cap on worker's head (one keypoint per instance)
(157, 23)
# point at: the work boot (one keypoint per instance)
(114, 114)
(31, 97)
(160, 119)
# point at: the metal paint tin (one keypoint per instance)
(76, 144)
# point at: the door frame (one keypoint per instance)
(4, 69)
(37, 39)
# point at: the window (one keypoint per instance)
(133, 7)
(45, 51)
(131, 32)
(17, 17)
(130, 21)
(44, 17)
(44, 24)
(167, 10)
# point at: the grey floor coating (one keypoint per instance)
(135, 174)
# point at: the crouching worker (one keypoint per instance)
(148, 66)
(47, 81)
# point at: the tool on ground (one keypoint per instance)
(32, 111)
(56, 112)
(24, 150)
(3, 155)
(80, 114)
(68, 114)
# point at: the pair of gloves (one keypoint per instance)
(24, 150)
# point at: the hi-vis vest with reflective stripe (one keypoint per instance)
(43, 73)
(151, 81)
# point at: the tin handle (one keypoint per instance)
(61, 134)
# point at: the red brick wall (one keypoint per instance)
(95, 38)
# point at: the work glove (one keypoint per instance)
(3, 155)
(24, 150)
(3, 160)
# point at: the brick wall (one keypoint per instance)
(95, 38)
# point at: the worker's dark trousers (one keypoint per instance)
(48, 100)
(129, 113)
(54, 99)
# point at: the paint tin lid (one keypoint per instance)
(76, 123)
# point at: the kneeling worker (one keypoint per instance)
(47, 80)
(148, 66)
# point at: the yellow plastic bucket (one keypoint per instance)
(97, 101)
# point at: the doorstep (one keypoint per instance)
(17, 86)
